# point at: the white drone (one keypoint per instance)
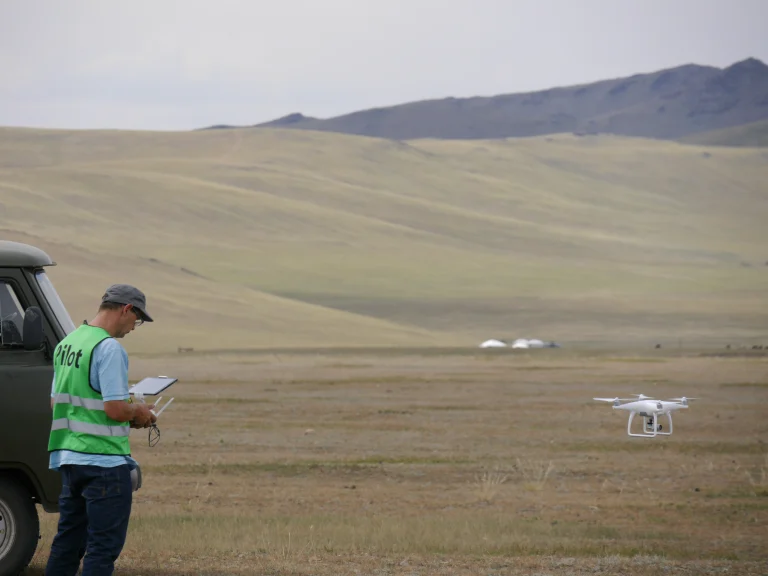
(651, 409)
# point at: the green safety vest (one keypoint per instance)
(79, 422)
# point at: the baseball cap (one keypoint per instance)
(127, 294)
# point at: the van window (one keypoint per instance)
(11, 316)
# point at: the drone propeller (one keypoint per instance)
(683, 400)
(643, 397)
(613, 399)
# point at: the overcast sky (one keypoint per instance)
(183, 64)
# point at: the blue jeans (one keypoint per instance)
(94, 507)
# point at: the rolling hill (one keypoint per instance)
(287, 238)
(754, 134)
(666, 104)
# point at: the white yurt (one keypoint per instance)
(493, 343)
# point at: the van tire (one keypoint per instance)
(21, 528)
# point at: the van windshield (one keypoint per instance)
(54, 301)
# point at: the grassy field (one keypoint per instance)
(754, 134)
(449, 463)
(269, 238)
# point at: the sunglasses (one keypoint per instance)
(139, 318)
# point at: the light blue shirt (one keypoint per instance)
(109, 375)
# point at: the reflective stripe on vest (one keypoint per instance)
(86, 428)
(89, 403)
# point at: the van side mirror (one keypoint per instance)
(33, 329)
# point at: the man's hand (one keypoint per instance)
(143, 418)
(136, 413)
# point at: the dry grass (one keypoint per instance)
(752, 134)
(269, 470)
(370, 446)
(759, 479)
(269, 238)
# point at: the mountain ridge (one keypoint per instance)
(669, 103)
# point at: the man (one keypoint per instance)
(89, 439)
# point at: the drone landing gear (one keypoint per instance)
(651, 426)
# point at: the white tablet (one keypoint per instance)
(152, 386)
